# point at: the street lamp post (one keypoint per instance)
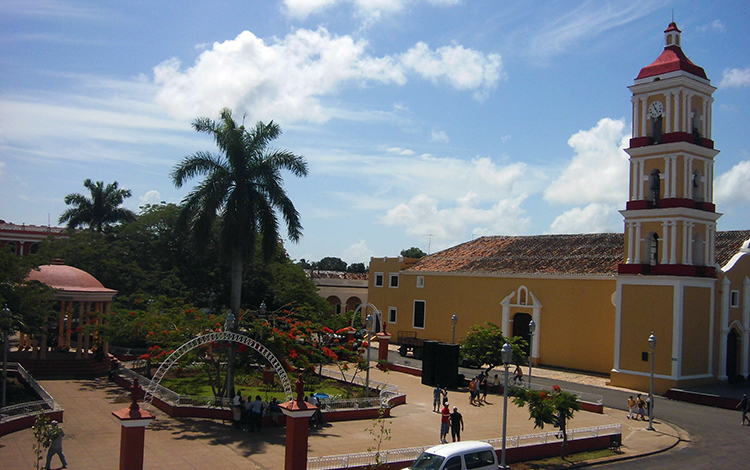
(6, 314)
(230, 325)
(454, 321)
(507, 356)
(368, 327)
(652, 346)
(532, 329)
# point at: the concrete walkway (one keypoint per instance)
(92, 433)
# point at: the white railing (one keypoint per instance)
(334, 462)
(45, 403)
(386, 391)
(582, 396)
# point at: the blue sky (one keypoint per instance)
(424, 122)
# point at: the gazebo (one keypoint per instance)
(83, 301)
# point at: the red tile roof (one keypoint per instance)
(671, 60)
(595, 253)
(728, 244)
(582, 254)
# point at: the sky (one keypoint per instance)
(425, 123)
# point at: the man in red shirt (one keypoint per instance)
(445, 417)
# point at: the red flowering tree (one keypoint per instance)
(554, 408)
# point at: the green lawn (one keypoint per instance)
(251, 385)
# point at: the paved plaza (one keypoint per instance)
(93, 434)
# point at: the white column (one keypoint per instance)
(665, 243)
(666, 177)
(635, 102)
(643, 117)
(745, 367)
(633, 180)
(668, 118)
(709, 181)
(687, 243)
(724, 328)
(638, 243)
(631, 242)
(673, 247)
(709, 118)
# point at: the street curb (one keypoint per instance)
(682, 436)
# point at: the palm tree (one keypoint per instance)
(244, 189)
(102, 210)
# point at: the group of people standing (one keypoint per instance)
(252, 411)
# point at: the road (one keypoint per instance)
(717, 440)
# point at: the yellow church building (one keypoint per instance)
(595, 299)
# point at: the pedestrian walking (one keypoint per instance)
(457, 425)
(631, 406)
(742, 405)
(483, 388)
(55, 436)
(436, 399)
(445, 417)
(444, 395)
(641, 407)
(473, 391)
(256, 414)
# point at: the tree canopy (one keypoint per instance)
(330, 263)
(24, 305)
(413, 252)
(101, 210)
(484, 343)
(555, 408)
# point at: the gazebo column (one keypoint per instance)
(61, 325)
(69, 329)
(81, 320)
(105, 344)
(86, 334)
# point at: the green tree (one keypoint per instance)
(554, 408)
(242, 191)
(101, 210)
(484, 343)
(413, 252)
(357, 268)
(28, 303)
(330, 263)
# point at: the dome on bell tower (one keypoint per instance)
(672, 59)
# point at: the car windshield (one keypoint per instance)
(428, 462)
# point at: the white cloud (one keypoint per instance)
(357, 252)
(590, 19)
(423, 215)
(367, 9)
(735, 78)
(715, 25)
(286, 78)
(463, 69)
(440, 137)
(400, 151)
(599, 170)
(151, 197)
(730, 189)
(591, 219)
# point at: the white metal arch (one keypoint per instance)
(220, 336)
(378, 314)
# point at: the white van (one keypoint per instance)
(468, 455)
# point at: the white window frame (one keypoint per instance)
(381, 278)
(734, 298)
(392, 315)
(420, 282)
(414, 315)
(391, 277)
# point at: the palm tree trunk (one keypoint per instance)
(236, 295)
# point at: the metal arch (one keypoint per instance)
(378, 314)
(221, 336)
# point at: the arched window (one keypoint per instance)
(695, 125)
(697, 186)
(653, 249)
(698, 250)
(654, 186)
(523, 296)
(656, 129)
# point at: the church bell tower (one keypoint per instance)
(666, 284)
